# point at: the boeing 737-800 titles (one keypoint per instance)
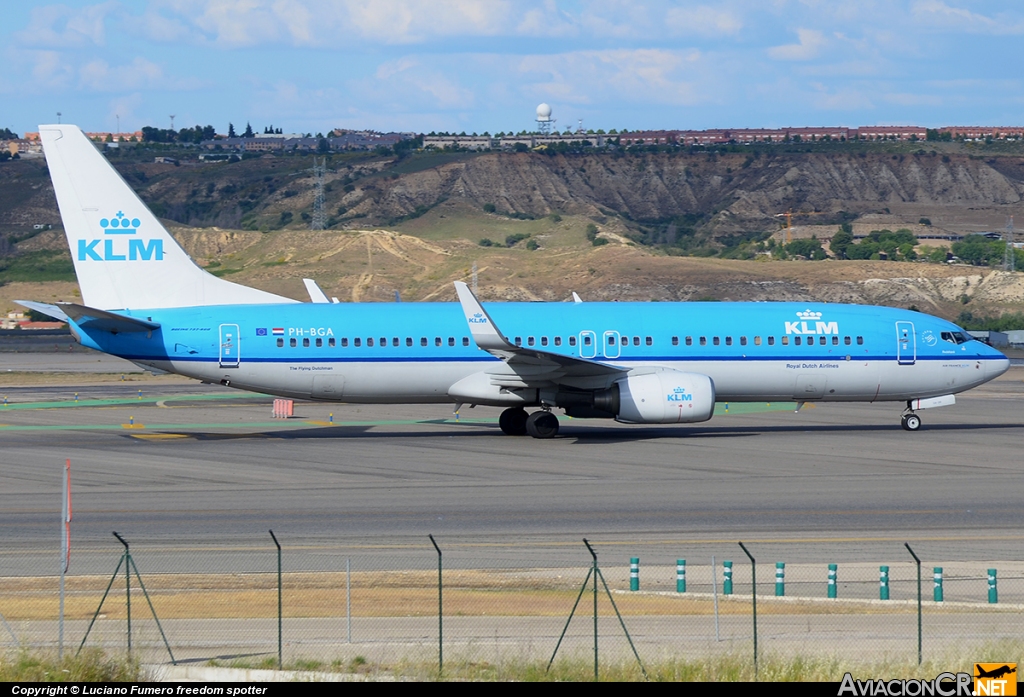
(145, 300)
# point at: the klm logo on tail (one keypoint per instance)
(112, 247)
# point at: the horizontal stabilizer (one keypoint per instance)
(89, 318)
(44, 308)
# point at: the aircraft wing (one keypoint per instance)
(529, 365)
(44, 308)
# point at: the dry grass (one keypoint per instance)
(374, 594)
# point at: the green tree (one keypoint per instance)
(231, 131)
(842, 240)
(248, 131)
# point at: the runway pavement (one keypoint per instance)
(207, 467)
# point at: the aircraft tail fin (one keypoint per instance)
(124, 257)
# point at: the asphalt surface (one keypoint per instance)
(206, 468)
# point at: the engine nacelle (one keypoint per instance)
(665, 397)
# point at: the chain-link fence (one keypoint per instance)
(387, 601)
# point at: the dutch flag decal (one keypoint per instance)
(278, 331)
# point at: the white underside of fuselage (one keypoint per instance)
(738, 381)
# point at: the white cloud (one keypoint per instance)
(645, 75)
(140, 73)
(60, 26)
(811, 43)
(703, 20)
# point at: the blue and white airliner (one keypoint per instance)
(145, 300)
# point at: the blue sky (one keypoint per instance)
(312, 65)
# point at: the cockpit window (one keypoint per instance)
(957, 337)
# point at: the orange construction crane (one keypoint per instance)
(788, 215)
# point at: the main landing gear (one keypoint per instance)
(910, 421)
(540, 424)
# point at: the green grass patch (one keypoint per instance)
(38, 266)
(733, 665)
(91, 665)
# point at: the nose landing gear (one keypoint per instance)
(910, 421)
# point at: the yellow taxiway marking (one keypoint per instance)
(161, 436)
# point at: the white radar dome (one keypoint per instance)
(543, 112)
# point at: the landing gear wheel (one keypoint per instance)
(513, 421)
(542, 424)
(910, 422)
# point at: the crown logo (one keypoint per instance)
(120, 225)
(679, 390)
(809, 314)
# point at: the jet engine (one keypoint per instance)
(662, 396)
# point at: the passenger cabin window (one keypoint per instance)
(395, 341)
(743, 341)
(860, 341)
(558, 341)
(451, 341)
(675, 341)
(330, 342)
(465, 341)
(771, 341)
(728, 341)
(611, 339)
(785, 341)
(572, 340)
(383, 341)
(280, 342)
(369, 341)
(319, 342)
(292, 343)
(650, 341)
(344, 342)
(835, 341)
(408, 341)
(703, 341)
(846, 340)
(796, 340)
(543, 341)
(423, 341)
(357, 342)
(689, 341)
(530, 341)
(636, 341)
(437, 341)
(716, 341)
(519, 341)
(586, 340)
(821, 340)
(757, 341)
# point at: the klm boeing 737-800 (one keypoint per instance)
(145, 300)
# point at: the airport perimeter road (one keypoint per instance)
(217, 469)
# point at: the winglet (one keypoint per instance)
(316, 295)
(576, 298)
(485, 333)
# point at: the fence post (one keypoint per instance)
(753, 598)
(917, 561)
(348, 597)
(280, 653)
(883, 583)
(127, 589)
(680, 575)
(727, 575)
(993, 592)
(832, 572)
(440, 611)
(780, 579)
(937, 594)
(634, 573)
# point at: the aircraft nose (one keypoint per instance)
(996, 366)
